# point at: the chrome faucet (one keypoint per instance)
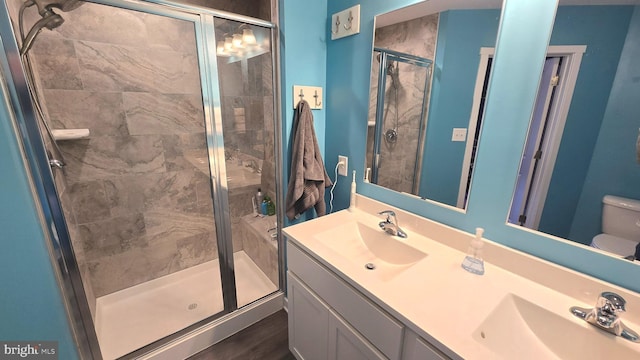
(390, 225)
(605, 315)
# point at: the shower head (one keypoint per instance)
(50, 19)
(45, 6)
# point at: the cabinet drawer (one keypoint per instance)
(372, 322)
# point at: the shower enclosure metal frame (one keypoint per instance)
(34, 153)
(386, 56)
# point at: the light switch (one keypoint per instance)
(459, 134)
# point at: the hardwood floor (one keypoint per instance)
(267, 339)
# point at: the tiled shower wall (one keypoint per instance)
(139, 207)
(397, 160)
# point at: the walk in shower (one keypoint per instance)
(399, 97)
(158, 121)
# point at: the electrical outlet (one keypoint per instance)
(344, 165)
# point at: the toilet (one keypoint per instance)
(620, 226)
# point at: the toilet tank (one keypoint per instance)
(621, 217)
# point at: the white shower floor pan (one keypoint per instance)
(137, 316)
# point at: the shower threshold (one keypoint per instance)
(134, 317)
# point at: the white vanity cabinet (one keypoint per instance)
(316, 332)
(329, 319)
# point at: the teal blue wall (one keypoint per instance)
(524, 35)
(303, 55)
(461, 34)
(613, 168)
(603, 30)
(30, 304)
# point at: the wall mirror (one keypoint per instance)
(582, 139)
(429, 73)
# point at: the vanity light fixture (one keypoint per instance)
(237, 41)
(248, 37)
(234, 43)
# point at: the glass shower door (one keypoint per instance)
(245, 73)
(136, 192)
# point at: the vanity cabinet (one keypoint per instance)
(316, 332)
(329, 319)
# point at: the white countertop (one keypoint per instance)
(442, 302)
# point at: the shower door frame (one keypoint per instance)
(45, 193)
(386, 55)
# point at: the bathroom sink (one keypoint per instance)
(365, 245)
(519, 329)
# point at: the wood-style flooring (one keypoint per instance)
(265, 340)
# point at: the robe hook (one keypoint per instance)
(315, 97)
(337, 26)
(350, 20)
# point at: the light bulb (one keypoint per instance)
(228, 43)
(220, 48)
(248, 37)
(237, 41)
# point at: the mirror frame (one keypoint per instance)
(523, 36)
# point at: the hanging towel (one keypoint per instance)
(308, 177)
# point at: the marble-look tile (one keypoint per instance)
(173, 191)
(163, 226)
(194, 250)
(85, 276)
(267, 76)
(237, 235)
(105, 156)
(113, 235)
(55, 62)
(89, 201)
(105, 24)
(152, 113)
(204, 195)
(177, 146)
(416, 37)
(52, 44)
(100, 112)
(231, 79)
(111, 273)
(125, 68)
(58, 72)
(168, 33)
(257, 243)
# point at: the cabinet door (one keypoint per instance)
(416, 348)
(308, 322)
(345, 343)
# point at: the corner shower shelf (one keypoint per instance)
(70, 134)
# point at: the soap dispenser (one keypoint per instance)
(473, 262)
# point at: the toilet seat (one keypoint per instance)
(614, 244)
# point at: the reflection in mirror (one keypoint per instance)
(579, 177)
(429, 70)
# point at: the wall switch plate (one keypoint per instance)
(345, 22)
(342, 169)
(459, 134)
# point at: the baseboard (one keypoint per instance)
(218, 330)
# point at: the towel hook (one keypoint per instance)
(315, 97)
(301, 95)
(350, 20)
(337, 26)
